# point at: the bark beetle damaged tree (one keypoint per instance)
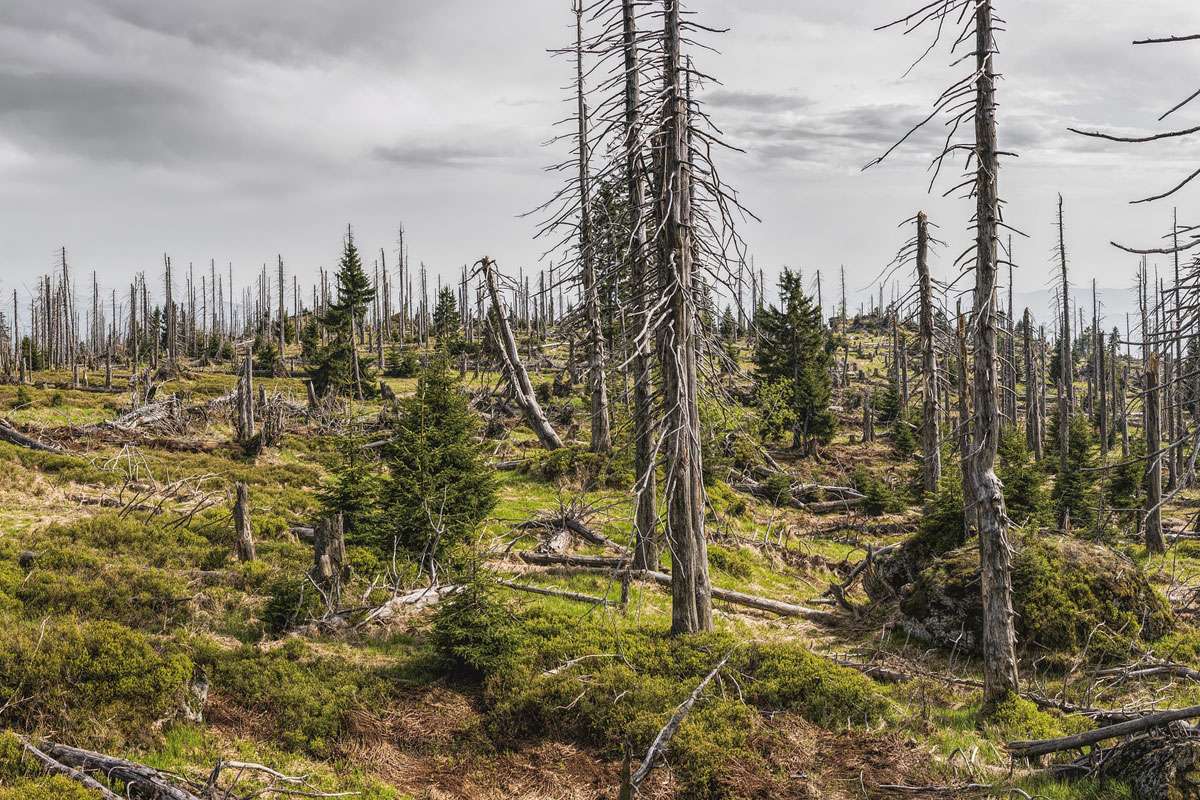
(971, 101)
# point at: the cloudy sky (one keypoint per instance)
(237, 129)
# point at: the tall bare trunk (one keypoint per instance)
(931, 438)
(691, 594)
(601, 431)
(646, 554)
(999, 656)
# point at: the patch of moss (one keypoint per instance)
(1069, 596)
(611, 683)
(52, 788)
(736, 562)
(307, 698)
(1014, 717)
(91, 678)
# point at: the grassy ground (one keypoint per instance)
(379, 712)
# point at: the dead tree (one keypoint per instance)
(1152, 522)
(971, 101)
(510, 356)
(1033, 416)
(241, 524)
(931, 439)
(646, 554)
(691, 593)
(601, 441)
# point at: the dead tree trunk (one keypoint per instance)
(245, 400)
(514, 370)
(331, 569)
(1152, 524)
(691, 594)
(931, 439)
(241, 524)
(999, 656)
(601, 431)
(646, 555)
(1033, 417)
(868, 418)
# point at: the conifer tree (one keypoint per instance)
(445, 315)
(793, 346)
(338, 367)
(438, 488)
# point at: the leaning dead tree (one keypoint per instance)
(971, 101)
(510, 356)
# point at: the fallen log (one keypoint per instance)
(605, 564)
(572, 560)
(1041, 747)
(13, 436)
(573, 525)
(55, 767)
(582, 598)
(139, 779)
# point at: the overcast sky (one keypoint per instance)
(238, 129)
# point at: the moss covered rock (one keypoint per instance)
(1069, 597)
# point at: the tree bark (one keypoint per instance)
(999, 657)
(931, 438)
(691, 595)
(518, 378)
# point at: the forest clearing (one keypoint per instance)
(643, 520)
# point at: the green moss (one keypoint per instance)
(306, 698)
(736, 562)
(1017, 718)
(53, 788)
(1069, 596)
(88, 677)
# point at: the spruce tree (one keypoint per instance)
(445, 316)
(337, 365)
(793, 346)
(438, 489)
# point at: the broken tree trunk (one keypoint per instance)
(241, 524)
(514, 370)
(331, 568)
(931, 438)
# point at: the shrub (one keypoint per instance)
(880, 498)
(1024, 482)
(291, 601)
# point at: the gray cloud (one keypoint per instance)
(755, 101)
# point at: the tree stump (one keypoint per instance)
(241, 524)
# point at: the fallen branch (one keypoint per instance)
(610, 565)
(582, 598)
(659, 745)
(1041, 747)
(573, 525)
